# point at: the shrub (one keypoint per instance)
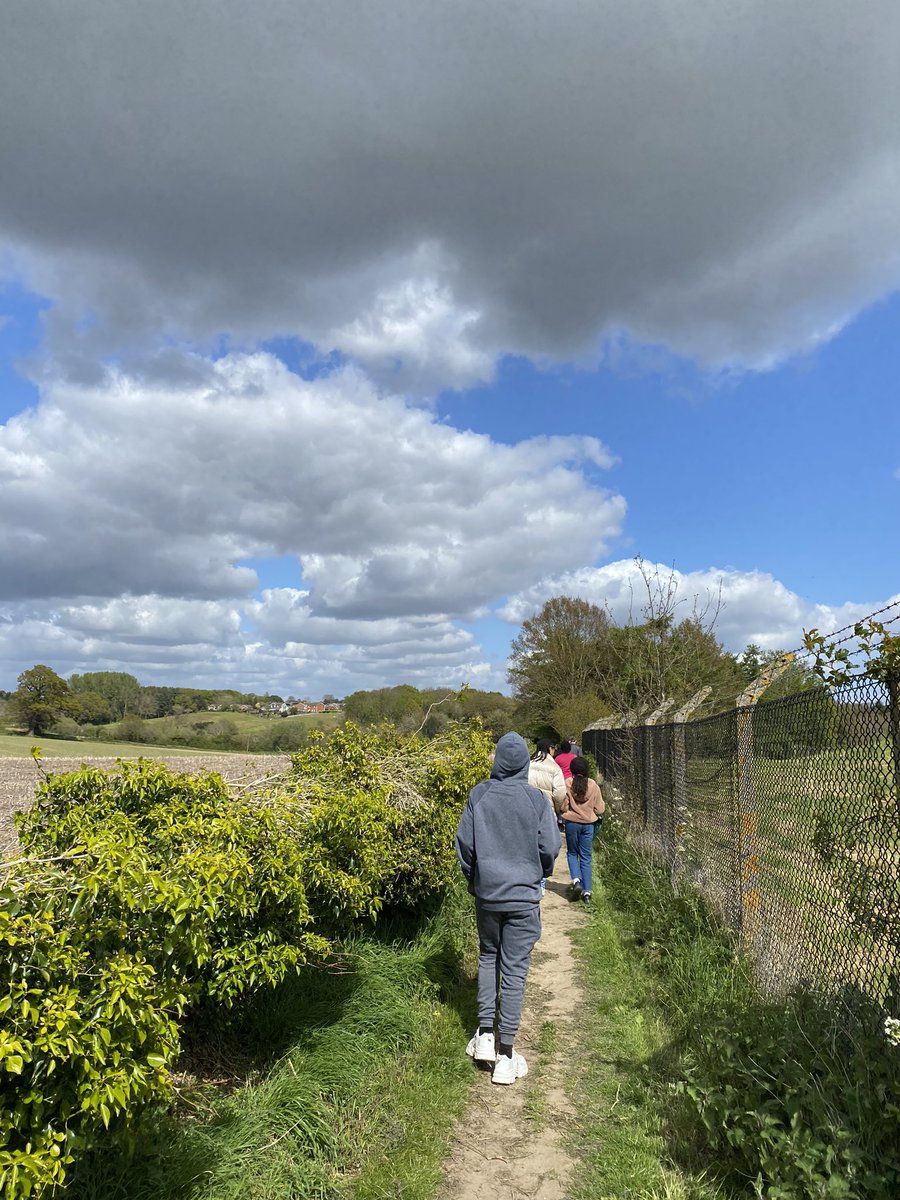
(798, 1103)
(153, 891)
(381, 811)
(145, 891)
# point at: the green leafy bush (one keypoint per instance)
(147, 891)
(144, 892)
(380, 811)
(800, 1105)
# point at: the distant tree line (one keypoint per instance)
(114, 705)
(45, 702)
(430, 710)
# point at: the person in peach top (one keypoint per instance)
(582, 813)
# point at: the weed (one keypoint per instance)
(793, 1097)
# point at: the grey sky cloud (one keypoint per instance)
(426, 186)
(138, 488)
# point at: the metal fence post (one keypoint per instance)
(747, 815)
(650, 755)
(893, 687)
(679, 779)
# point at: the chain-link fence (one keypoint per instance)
(785, 814)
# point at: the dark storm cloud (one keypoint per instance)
(436, 183)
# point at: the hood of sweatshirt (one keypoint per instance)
(511, 758)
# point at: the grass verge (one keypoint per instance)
(789, 1099)
(621, 1143)
(350, 1084)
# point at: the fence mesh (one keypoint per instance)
(786, 816)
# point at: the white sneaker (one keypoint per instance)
(508, 1070)
(481, 1047)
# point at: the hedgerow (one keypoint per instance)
(144, 892)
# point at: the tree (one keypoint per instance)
(559, 654)
(91, 708)
(571, 663)
(40, 698)
(157, 701)
(121, 691)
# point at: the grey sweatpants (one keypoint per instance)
(506, 940)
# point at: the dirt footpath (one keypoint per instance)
(510, 1142)
(20, 776)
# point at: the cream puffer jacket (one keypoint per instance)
(547, 775)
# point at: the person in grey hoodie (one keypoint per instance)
(506, 842)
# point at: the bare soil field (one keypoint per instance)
(20, 776)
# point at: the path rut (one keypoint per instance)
(511, 1142)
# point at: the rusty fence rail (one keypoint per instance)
(785, 814)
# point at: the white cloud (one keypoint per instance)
(137, 488)
(426, 187)
(752, 605)
(127, 507)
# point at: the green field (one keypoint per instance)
(16, 745)
(184, 734)
(247, 723)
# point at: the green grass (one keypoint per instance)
(250, 722)
(19, 746)
(789, 1098)
(623, 1137)
(546, 1046)
(351, 1083)
(174, 735)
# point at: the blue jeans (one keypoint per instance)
(579, 848)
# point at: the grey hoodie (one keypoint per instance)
(507, 839)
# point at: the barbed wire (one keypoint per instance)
(832, 638)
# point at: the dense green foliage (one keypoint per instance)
(571, 664)
(795, 1098)
(146, 892)
(429, 710)
(342, 1084)
(40, 698)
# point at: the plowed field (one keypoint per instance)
(20, 776)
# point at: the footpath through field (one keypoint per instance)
(510, 1141)
(585, 1123)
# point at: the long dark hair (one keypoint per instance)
(541, 750)
(581, 770)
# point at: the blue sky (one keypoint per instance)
(333, 343)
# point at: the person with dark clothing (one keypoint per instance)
(506, 842)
